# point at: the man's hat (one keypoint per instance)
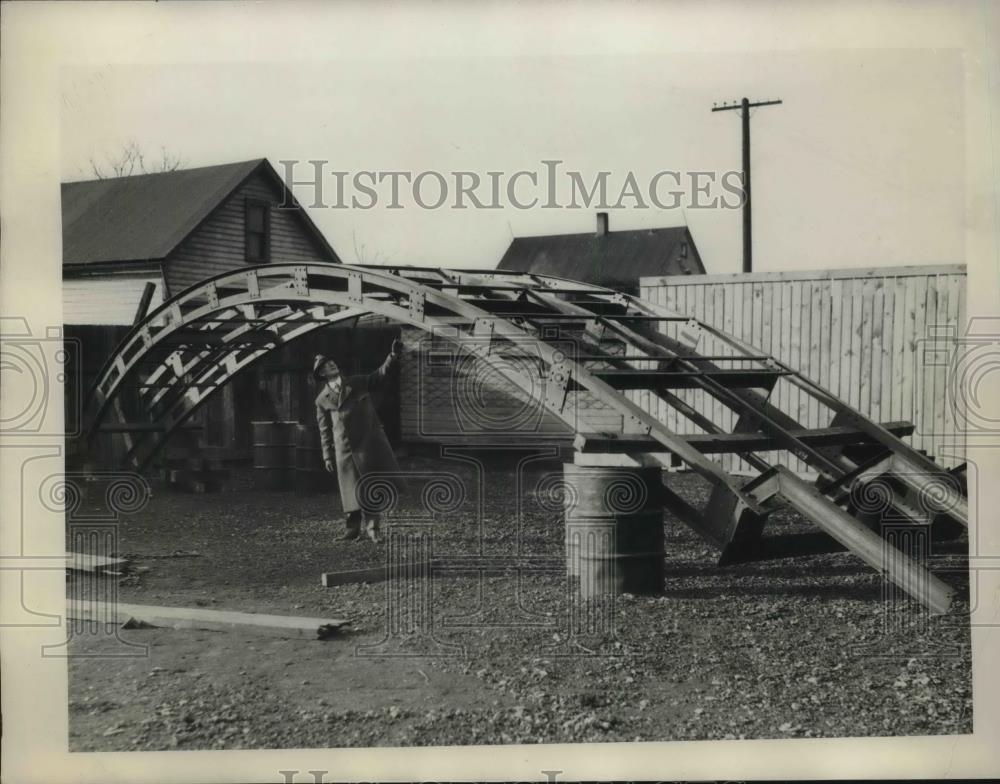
(317, 364)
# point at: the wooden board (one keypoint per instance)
(457, 566)
(87, 562)
(899, 342)
(739, 442)
(373, 574)
(197, 618)
(791, 275)
(667, 379)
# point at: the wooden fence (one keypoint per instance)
(862, 334)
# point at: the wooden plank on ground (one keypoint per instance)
(446, 566)
(374, 574)
(88, 562)
(197, 618)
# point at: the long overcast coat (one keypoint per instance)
(351, 432)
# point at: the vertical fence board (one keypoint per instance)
(837, 315)
(817, 345)
(935, 370)
(910, 331)
(888, 346)
(949, 421)
(899, 331)
(872, 345)
(858, 333)
(855, 336)
(919, 374)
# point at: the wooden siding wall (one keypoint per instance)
(108, 299)
(858, 333)
(219, 243)
(690, 263)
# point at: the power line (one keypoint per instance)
(745, 106)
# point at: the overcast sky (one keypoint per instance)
(862, 165)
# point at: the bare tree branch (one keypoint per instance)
(131, 160)
(361, 252)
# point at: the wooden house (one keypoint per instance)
(615, 259)
(174, 229)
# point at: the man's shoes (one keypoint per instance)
(373, 534)
(349, 535)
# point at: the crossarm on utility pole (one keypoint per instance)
(745, 106)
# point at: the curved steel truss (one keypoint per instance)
(192, 345)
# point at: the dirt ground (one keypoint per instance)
(802, 647)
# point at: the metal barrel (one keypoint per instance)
(311, 475)
(614, 529)
(274, 454)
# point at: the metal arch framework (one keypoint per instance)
(192, 345)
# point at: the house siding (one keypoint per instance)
(109, 299)
(686, 265)
(218, 244)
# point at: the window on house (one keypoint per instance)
(258, 232)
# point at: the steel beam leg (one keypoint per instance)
(856, 537)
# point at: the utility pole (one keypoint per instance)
(745, 106)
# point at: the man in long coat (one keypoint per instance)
(354, 443)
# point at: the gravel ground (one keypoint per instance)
(803, 647)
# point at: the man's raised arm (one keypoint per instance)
(376, 378)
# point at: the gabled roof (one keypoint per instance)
(616, 259)
(146, 216)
